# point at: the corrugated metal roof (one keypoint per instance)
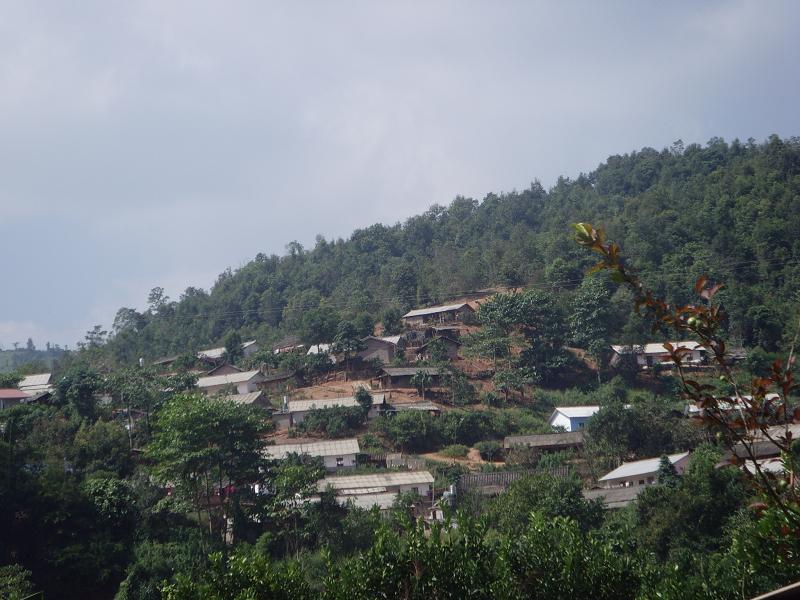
(640, 467)
(226, 379)
(428, 406)
(434, 310)
(653, 348)
(346, 402)
(326, 448)
(351, 482)
(39, 380)
(217, 353)
(575, 412)
(244, 398)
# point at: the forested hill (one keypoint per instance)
(731, 210)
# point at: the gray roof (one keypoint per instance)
(214, 380)
(375, 480)
(323, 448)
(571, 438)
(615, 497)
(575, 412)
(429, 406)
(382, 500)
(420, 312)
(640, 467)
(405, 371)
(244, 398)
(39, 380)
(346, 402)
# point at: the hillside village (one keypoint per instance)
(319, 416)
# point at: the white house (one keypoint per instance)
(642, 472)
(298, 409)
(650, 355)
(36, 384)
(572, 418)
(244, 382)
(215, 354)
(335, 454)
(419, 482)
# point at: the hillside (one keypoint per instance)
(730, 210)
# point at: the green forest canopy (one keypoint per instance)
(729, 210)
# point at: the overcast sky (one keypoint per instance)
(157, 143)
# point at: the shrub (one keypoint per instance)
(454, 451)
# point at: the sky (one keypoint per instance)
(157, 143)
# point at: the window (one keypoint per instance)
(641, 482)
(339, 461)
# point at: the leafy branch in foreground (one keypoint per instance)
(741, 422)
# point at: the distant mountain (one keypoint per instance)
(731, 210)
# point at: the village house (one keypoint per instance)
(36, 384)
(547, 442)
(381, 349)
(11, 397)
(225, 369)
(730, 406)
(245, 382)
(322, 349)
(418, 482)
(290, 343)
(650, 355)
(335, 454)
(572, 418)
(641, 472)
(214, 355)
(427, 407)
(451, 313)
(298, 409)
(449, 345)
(400, 377)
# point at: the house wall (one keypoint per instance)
(282, 421)
(332, 464)
(423, 489)
(251, 349)
(377, 350)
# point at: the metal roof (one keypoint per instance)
(347, 402)
(435, 310)
(326, 448)
(226, 379)
(654, 348)
(217, 353)
(244, 398)
(383, 500)
(575, 412)
(39, 380)
(403, 371)
(13, 394)
(570, 438)
(647, 466)
(429, 406)
(351, 482)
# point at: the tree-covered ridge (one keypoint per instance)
(727, 209)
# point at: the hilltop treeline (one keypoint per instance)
(729, 210)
